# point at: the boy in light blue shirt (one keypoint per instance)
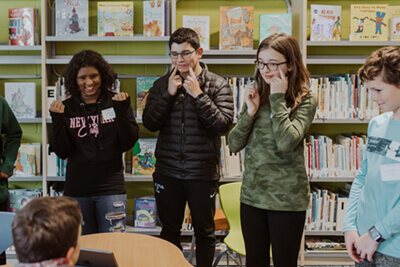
(372, 220)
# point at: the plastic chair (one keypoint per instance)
(229, 195)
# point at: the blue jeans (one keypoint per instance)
(103, 214)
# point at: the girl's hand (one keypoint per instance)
(120, 96)
(174, 82)
(279, 84)
(252, 99)
(57, 106)
(366, 247)
(351, 237)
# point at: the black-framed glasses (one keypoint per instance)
(184, 54)
(271, 66)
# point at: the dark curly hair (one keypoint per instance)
(182, 35)
(385, 61)
(88, 58)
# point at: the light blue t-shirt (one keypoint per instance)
(375, 199)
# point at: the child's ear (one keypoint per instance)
(290, 67)
(199, 52)
(72, 256)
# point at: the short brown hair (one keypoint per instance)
(182, 35)
(46, 228)
(385, 61)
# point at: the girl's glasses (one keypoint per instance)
(270, 66)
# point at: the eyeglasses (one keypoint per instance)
(270, 66)
(184, 54)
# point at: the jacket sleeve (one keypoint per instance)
(289, 132)
(238, 137)
(60, 141)
(12, 130)
(158, 106)
(216, 114)
(128, 129)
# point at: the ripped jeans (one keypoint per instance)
(103, 214)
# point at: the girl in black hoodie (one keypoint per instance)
(92, 129)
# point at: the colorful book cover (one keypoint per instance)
(326, 23)
(369, 22)
(143, 85)
(72, 17)
(20, 197)
(25, 164)
(154, 18)
(115, 18)
(201, 25)
(22, 99)
(145, 212)
(22, 23)
(275, 23)
(143, 156)
(394, 22)
(236, 27)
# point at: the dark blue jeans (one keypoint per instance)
(103, 214)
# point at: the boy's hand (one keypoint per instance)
(279, 84)
(57, 106)
(4, 175)
(366, 247)
(351, 238)
(120, 96)
(252, 99)
(191, 84)
(174, 82)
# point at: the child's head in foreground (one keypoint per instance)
(48, 228)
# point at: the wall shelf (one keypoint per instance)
(95, 38)
(23, 60)
(131, 60)
(7, 47)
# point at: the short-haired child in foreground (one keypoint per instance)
(46, 232)
(372, 220)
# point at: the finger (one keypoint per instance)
(369, 257)
(282, 75)
(191, 73)
(174, 72)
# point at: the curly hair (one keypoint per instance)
(46, 228)
(88, 58)
(182, 35)
(298, 78)
(385, 61)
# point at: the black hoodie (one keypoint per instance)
(94, 150)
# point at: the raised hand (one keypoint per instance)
(57, 106)
(174, 82)
(279, 84)
(120, 96)
(252, 99)
(191, 84)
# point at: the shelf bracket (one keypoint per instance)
(289, 6)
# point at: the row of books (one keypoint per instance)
(368, 22)
(327, 209)
(343, 97)
(325, 244)
(339, 158)
(55, 165)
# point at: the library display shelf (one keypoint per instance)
(332, 179)
(157, 230)
(7, 47)
(38, 178)
(21, 60)
(336, 60)
(30, 120)
(323, 233)
(341, 121)
(95, 38)
(345, 42)
(125, 60)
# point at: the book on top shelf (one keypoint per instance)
(143, 159)
(23, 26)
(72, 17)
(155, 15)
(326, 23)
(143, 85)
(145, 212)
(22, 99)
(115, 19)
(236, 27)
(369, 22)
(275, 23)
(394, 23)
(201, 25)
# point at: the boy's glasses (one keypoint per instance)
(270, 66)
(184, 54)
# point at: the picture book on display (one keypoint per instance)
(275, 23)
(326, 23)
(25, 164)
(23, 26)
(115, 19)
(20, 197)
(22, 99)
(369, 22)
(143, 156)
(72, 17)
(155, 18)
(236, 27)
(394, 22)
(201, 25)
(143, 85)
(145, 212)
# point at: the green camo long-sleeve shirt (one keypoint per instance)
(275, 177)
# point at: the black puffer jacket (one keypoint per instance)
(189, 142)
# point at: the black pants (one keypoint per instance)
(281, 229)
(171, 196)
(4, 207)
